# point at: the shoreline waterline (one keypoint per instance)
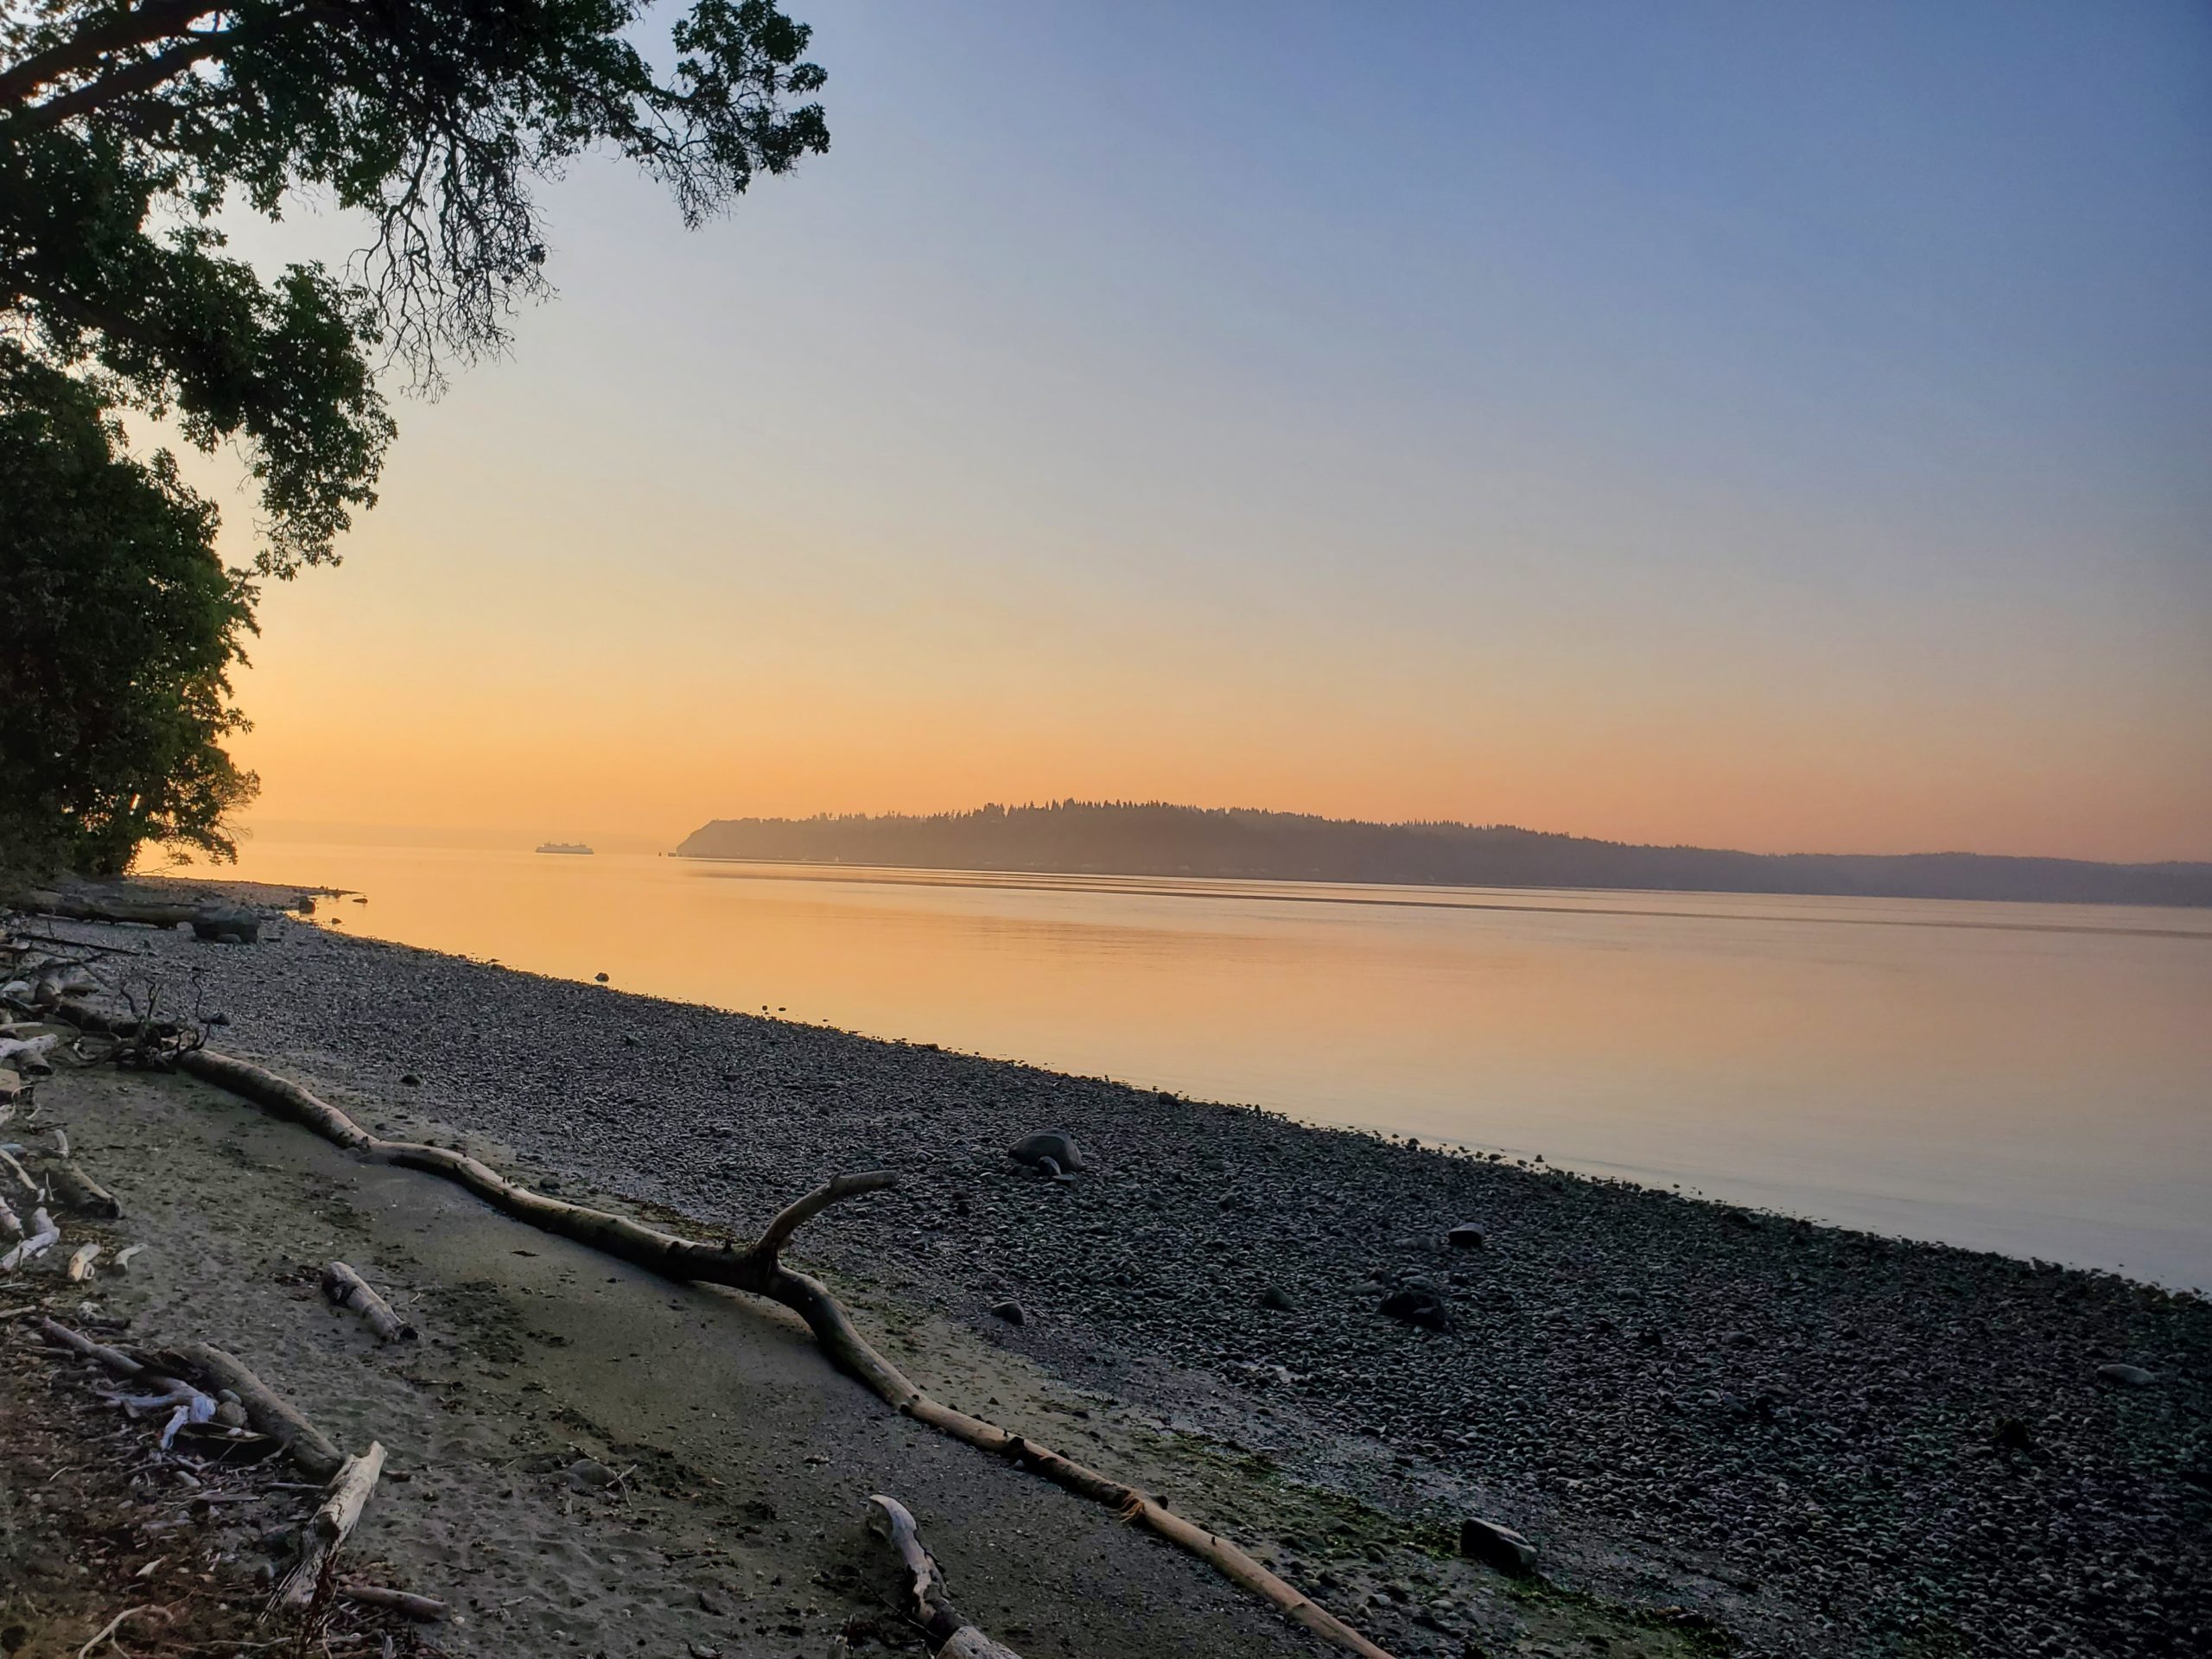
(1966, 1075)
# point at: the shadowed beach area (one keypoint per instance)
(1819, 1441)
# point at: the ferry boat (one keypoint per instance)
(565, 847)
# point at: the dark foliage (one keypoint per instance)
(125, 127)
(117, 635)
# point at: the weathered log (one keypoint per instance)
(43, 1237)
(81, 1261)
(268, 1411)
(426, 1609)
(68, 1182)
(949, 1632)
(81, 907)
(350, 1291)
(327, 1528)
(758, 1270)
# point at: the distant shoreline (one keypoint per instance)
(1162, 841)
(890, 874)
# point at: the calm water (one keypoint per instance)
(2036, 1079)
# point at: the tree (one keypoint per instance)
(116, 636)
(127, 127)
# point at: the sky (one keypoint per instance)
(1779, 427)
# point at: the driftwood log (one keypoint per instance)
(328, 1528)
(758, 1269)
(82, 1261)
(950, 1636)
(215, 1371)
(43, 1236)
(348, 1290)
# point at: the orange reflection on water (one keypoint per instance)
(2036, 1078)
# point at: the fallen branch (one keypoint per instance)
(427, 1610)
(950, 1635)
(81, 1261)
(327, 1528)
(107, 1632)
(757, 1269)
(114, 1358)
(350, 1291)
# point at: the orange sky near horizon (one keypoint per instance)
(1776, 432)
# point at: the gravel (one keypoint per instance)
(1834, 1443)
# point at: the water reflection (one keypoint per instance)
(2034, 1078)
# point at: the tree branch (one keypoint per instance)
(155, 21)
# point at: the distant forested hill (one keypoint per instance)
(1130, 838)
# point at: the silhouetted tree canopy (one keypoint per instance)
(127, 131)
(124, 128)
(118, 625)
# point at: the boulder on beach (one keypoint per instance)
(1057, 1144)
(224, 923)
(1465, 1236)
(1418, 1302)
(1497, 1546)
(2127, 1376)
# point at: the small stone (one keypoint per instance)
(2127, 1376)
(1272, 1297)
(602, 978)
(711, 1602)
(588, 1474)
(411, 1079)
(1497, 1546)
(1056, 1145)
(1465, 1236)
(1009, 1311)
(1742, 1218)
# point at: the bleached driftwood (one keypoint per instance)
(327, 1529)
(43, 1237)
(215, 1372)
(67, 1181)
(950, 1636)
(351, 1292)
(81, 1261)
(757, 1268)
(10, 1223)
(426, 1609)
(122, 1262)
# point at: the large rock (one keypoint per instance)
(1500, 1547)
(1418, 1302)
(1465, 1236)
(1057, 1144)
(2127, 1376)
(232, 923)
